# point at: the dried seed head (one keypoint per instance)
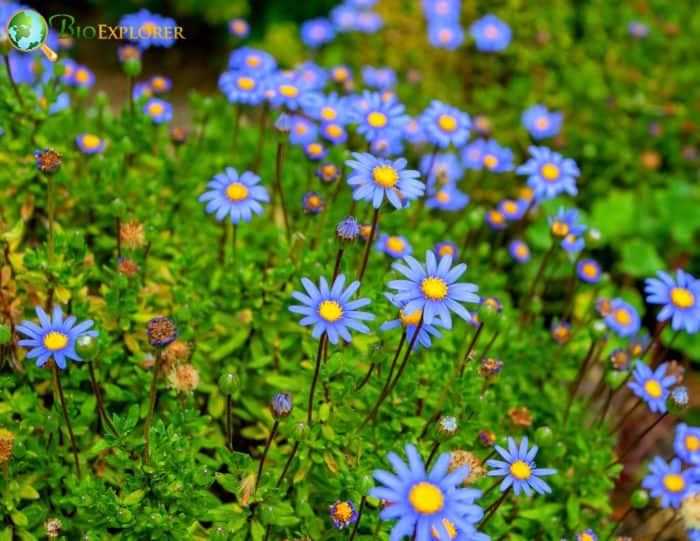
(461, 458)
(132, 235)
(184, 378)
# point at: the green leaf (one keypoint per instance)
(640, 259)
(28, 492)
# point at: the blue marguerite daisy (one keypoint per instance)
(238, 196)
(311, 75)
(540, 122)
(587, 535)
(519, 469)
(426, 503)
(472, 154)
(330, 108)
(302, 131)
(160, 84)
(573, 244)
(496, 158)
(413, 132)
(89, 143)
(376, 178)
(495, 219)
(334, 132)
(160, 111)
(686, 444)
(446, 247)
(512, 209)
(317, 32)
(54, 337)
(446, 35)
(286, 92)
(239, 28)
(490, 34)
(519, 251)
(343, 17)
(377, 118)
(589, 271)
(252, 61)
(343, 513)
(448, 198)
(445, 125)
(368, 22)
(623, 318)
(149, 29)
(651, 386)
(394, 245)
(433, 288)
(330, 310)
(441, 168)
(564, 223)
(410, 324)
(313, 203)
(668, 481)
(680, 297)
(379, 78)
(549, 173)
(242, 87)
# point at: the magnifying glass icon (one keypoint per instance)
(27, 31)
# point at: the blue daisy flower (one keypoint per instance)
(589, 271)
(149, 29)
(445, 125)
(491, 34)
(334, 132)
(60, 103)
(668, 481)
(311, 75)
(495, 219)
(441, 10)
(394, 245)
(379, 78)
(540, 122)
(81, 77)
(519, 469)
(651, 386)
(637, 29)
(413, 132)
(89, 143)
(448, 198)
(341, 74)
(433, 288)
(686, 444)
(330, 310)
(519, 251)
(54, 337)
(328, 172)
(302, 131)
(425, 501)
(326, 108)
(446, 247)
(344, 18)
(444, 168)
(376, 178)
(285, 92)
(252, 61)
(623, 318)
(315, 151)
(410, 323)
(160, 111)
(388, 145)
(549, 173)
(512, 209)
(377, 118)
(680, 297)
(141, 90)
(343, 514)
(237, 196)
(239, 27)
(368, 22)
(587, 535)
(445, 34)
(160, 84)
(313, 203)
(496, 158)
(564, 223)
(472, 155)
(317, 32)
(242, 87)
(573, 244)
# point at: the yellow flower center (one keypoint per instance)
(542, 122)
(653, 388)
(496, 217)
(246, 83)
(444, 35)
(521, 250)
(413, 319)
(447, 123)
(91, 141)
(313, 202)
(446, 250)
(560, 229)
(314, 149)
(692, 443)
(328, 113)
(511, 207)
(340, 74)
(590, 270)
(330, 311)
(682, 298)
(148, 29)
(434, 288)
(55, 341)
(491, 31)
(442, 196)
(451, 531)
(490, 161)
(385, 176)
(155, 109)
(377, 119)
(622, 316)
(334, 130)
(328, 170)
(159, 83)
(674, 482)
(526, 193)
(289, 91)
(237, 191)
(550, 171)
(587, 537)
(520, 470)
(395, 244)
(426, 498)
(82, 76)
(342, 512)
(300, 129)
(253, 61)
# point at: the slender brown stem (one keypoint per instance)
(273, 432)
(664, 528)
(12, 80)
(338, 259)
(363, 501)
(261, 137)
(229, 424)
(368, 246)
(295, 448)
(100, 403)
(279, 160)
(472, 344)
(69, 426)
(490, 489)
(317, 369)
(493, 510)
(368, 375)
(51, 211)
(151, 408)
(540, 270)
(636, 441)
(625, 416)
(433, 451)
(620, 522)
(579, 378)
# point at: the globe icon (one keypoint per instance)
(28, 31)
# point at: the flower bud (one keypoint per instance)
(281, 405)
(86, 347)
(229, 383)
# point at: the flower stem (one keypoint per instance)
(130, 90)
(295, 448)
(625, 416)
(236, 128)
(579, 378)
(433, 451)
(664, 528)
(229, 424)
(12, 80)
(100, 403)
(317, 369)
(359, 518)
(619, 522)
(493, 509)
(538, 276)
(51, 211)
(368, 246)
(222, 243)
(279, 160)
(151, 408)
(234, 238)
(119, 237)
(273, 432)
(338, 259)
(59, 390)
(261, 136)
(368, 375)
(636, 441)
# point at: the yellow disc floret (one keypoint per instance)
(674, 482)
(447, 123)
(520, 470)
(55, 341)
(434, 288)
(385, 175)
(653, 388)
(682, 297)
(550, 171)
(330, 311)
(377, 119)
(236, 191)
(426, 498)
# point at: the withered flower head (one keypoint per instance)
(184, 378)
(47, 161)
(520, 416)
(132, 235)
